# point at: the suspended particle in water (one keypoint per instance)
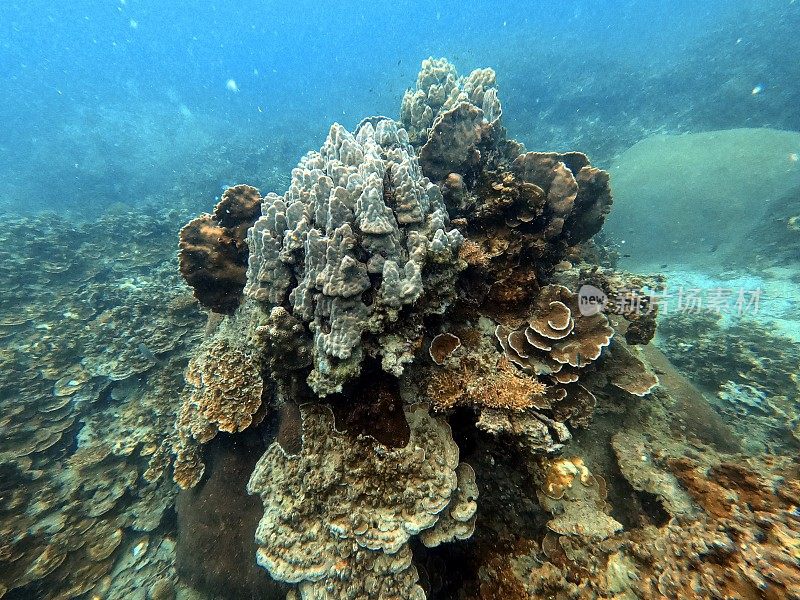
(231, 85)
(134, 24)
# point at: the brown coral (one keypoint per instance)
(576, 499)
(477, 383)
(452, 145)
(442, 347)
(224, 393)
(626, 371)
(225, 386)
(556, 336)
(213, 249)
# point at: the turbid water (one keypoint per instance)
(532, 332)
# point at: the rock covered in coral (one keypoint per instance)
(576, 499)
(360, 236)
(521, 212)
(369, 500)
(749, 371)
(213, 249)
(224, 392)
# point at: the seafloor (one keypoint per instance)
(382, 385)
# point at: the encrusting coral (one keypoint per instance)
(224, 393)
(369, 501)
(576, 499)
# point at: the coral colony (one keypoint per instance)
(415, 285)
(397, 395)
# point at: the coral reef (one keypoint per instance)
(213, 249)
(748, 371)
(516, 209)
(704, 524)
(398, 392)
(87, 386)
(224, 393)
(368, 503)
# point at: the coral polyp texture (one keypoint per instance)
(360, 236)
(352, 541)
(223, 394)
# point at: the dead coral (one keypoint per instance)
(213, 249)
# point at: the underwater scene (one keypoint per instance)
(400, 300)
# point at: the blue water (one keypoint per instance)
(128, 101)
(128, 118)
